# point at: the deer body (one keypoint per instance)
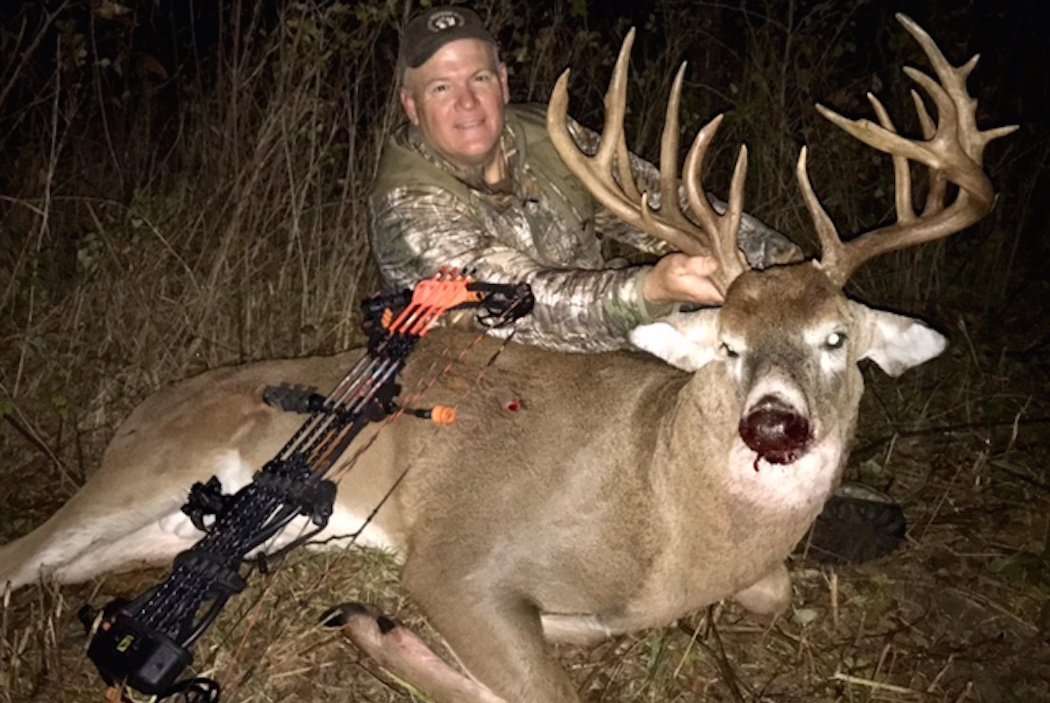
(617, 493)
(621, 487)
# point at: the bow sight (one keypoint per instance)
(145, 643)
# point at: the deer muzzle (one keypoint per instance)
(775, 431)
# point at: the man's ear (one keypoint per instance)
(502, 70)
(408, 103)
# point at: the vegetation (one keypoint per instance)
(184, 186)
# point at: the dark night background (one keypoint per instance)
(138, 72)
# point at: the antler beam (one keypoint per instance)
(607, 175)
(952, 151)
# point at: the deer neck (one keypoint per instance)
(703, 464)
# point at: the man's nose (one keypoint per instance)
(467, 98)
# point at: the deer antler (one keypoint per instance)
(607, 175)
(952, 151)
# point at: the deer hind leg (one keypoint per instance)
(769, 596)
(69, 546)
(114, 522)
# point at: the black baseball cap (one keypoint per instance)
(432, 29)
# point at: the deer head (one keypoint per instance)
(788, 335)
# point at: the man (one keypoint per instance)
(474, 183)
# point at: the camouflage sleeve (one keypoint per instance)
(762, 245)
(417, 230)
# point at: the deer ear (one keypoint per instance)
(895, 342)
(686, 340)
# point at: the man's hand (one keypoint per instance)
(678, 278)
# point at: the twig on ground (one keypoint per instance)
(869, 683)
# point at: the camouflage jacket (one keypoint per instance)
(540, 227)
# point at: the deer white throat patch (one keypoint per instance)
(803, 483)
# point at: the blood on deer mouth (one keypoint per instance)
(775, 432)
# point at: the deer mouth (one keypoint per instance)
(775, 431)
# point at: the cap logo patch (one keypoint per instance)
(444, 21)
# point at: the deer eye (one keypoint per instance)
(729, 352)
(835, 340)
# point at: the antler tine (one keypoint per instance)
(620, 193)
(953, 151)
(724, 227)
(718, 231)
(938, 185)
(669, 206)
(669, 147)
(614, 140)
(901, 172)
(831, 247)
(595, 172)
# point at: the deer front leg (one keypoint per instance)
(494, 632)
(769, 596)
(403, 654)
(398, 650)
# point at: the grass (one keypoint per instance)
(140, 251)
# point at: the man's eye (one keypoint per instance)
(439, 88)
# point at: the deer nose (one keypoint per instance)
(775, 431)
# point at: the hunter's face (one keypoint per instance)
(457, 100)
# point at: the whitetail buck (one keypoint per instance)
(615, 492)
